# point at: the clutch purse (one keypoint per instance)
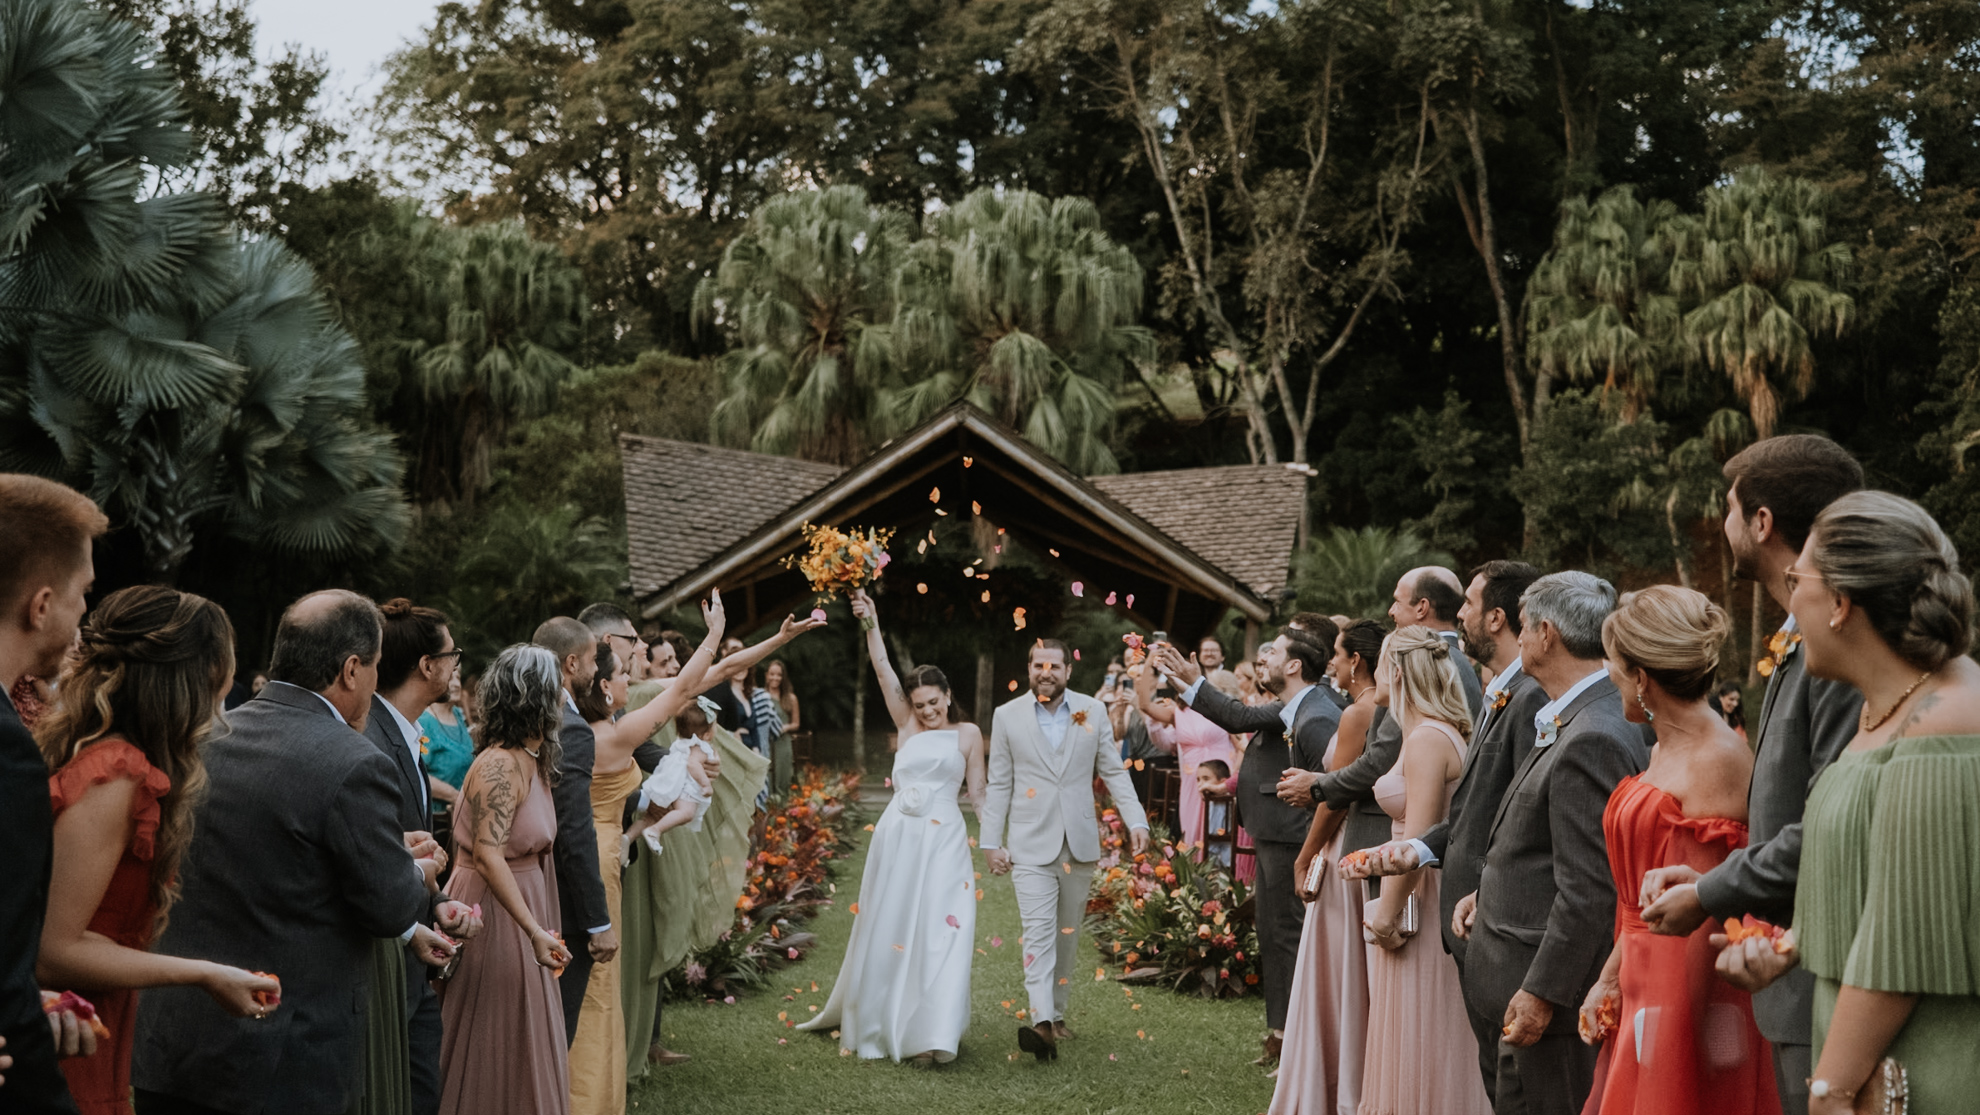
(1407, 922)
(1313, 873)
(1888, 1092)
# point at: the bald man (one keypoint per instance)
(1427, 596)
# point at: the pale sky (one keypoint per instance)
(355, 35)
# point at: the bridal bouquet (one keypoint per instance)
(838, 561)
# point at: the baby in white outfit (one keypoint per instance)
(678, 791)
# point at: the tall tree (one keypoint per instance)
(806, 292)
(1023, 306)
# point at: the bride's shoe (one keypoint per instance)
(1039, 1041)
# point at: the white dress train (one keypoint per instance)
(903, 989)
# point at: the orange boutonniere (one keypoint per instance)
(1079, 717)
(423, 749)
(1779, 647)
(1499, 698)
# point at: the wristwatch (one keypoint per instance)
(1821, 1089)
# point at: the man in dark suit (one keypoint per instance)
(296, 865)
(45, 573)
(1490, 620)
(1297, 737)
(1540, 925)
(580, 887)
(1778, 488)
(1429, 596)
(415, 668)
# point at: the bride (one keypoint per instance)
(903, 991)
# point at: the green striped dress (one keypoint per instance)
(1889, 900)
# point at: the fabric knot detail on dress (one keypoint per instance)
(913, 800)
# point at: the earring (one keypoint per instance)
(1647, 714)
(1834, 624)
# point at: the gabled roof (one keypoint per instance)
(1243, 519)
(686, 503)
(1124, 531)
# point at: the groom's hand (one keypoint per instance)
(998, 861)
(1138, 841)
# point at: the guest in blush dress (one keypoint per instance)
(1416, 1018)
(1183, 732)
(1320, 1061)
(504, 1051)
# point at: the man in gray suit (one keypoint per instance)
(1778, 488)
(1431, 597)
(1302, 724)
(297, 863)
(415, 668)
(1540, 925)
(580, 887)
(1490, 619)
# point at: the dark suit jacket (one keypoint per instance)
(296, 864)
(1804, 724)
(26, 832)
(415, 813)
(1259, 809)
(1352, 788)
(580, 888)
(1546, 902)
(1498, 744)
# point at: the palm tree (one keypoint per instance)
(805, 291)
(1026, 308)
(1354, 572)
(1598, 305)
(1765, 284)
(505, 312)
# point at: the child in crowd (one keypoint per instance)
(678, 790)
(1212, 777)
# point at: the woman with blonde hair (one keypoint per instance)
(139, 700)
(1673, 1038)
(1415, 1007)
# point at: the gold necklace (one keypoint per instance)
(1902, 697)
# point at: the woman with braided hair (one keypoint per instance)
(1415, 1007)
(124, 739)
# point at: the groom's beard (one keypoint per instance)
(1046, 691)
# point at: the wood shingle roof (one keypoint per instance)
(1243, 519)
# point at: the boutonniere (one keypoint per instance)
(1499, 698)
(423, 749)
(1079, 717)
(1549, 732)
(1779, 647)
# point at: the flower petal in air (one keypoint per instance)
(952, 922)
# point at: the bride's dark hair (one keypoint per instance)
(930, 675)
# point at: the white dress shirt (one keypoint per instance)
(1544, 719)
(1054, 722)
(411, 733)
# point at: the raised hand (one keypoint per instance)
(862, 605)
(713, 614)
(792, 626)
(1170, 661)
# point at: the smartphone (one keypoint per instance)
(1159, 637)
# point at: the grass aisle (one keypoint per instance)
(1194, 1057)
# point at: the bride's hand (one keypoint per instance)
(862, 605)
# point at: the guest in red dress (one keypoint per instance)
(124, 740)
(1676, 1040)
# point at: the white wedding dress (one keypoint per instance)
(904, 987)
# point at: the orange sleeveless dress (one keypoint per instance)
(102, 1083)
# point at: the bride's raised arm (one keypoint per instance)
(876, 649)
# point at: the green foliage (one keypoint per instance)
(521, 565)
(1354, 572)
(1455, 457)
(178, 376)
(1579, 488)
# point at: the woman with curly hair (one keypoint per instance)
(124, 739)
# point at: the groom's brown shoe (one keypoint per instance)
(1060, 1032)
(1039, 1041)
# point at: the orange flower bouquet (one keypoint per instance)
(839, 561)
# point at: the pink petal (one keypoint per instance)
(1130, 600)
(818, 614)
(1078, 589)
(953, 923)
(1028, 958)
(1111, 597)
(1075, 654)
(996, 942)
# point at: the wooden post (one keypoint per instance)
(1250, 639)
(986, 687)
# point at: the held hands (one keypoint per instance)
(1170, 661)
(1670, 901)
(235, 989)
(1393, 858)
(1296, 787)
(1527, 1017)
(1756, 962)
(457, 920)
(422, 845)
(1462, 917)
(998, 860)
(604, 946)
(431, 948)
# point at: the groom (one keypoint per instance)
(1045, 749)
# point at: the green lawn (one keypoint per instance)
(1148, 1053)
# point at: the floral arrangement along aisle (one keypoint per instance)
(788, 878)
(1164, 917)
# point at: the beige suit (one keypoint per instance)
(1045, 794)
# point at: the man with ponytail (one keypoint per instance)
(45, 571)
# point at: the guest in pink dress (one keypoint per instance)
(1320, 1060)
(1415, 1006)
(1185, 733)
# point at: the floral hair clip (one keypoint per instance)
(709, 707)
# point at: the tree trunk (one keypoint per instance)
(1753, 641)
(859, 717)
(986, 686)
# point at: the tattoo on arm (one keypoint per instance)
(495, 806)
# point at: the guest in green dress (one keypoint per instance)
(1887, 916)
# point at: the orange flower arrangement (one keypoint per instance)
(838, 561)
